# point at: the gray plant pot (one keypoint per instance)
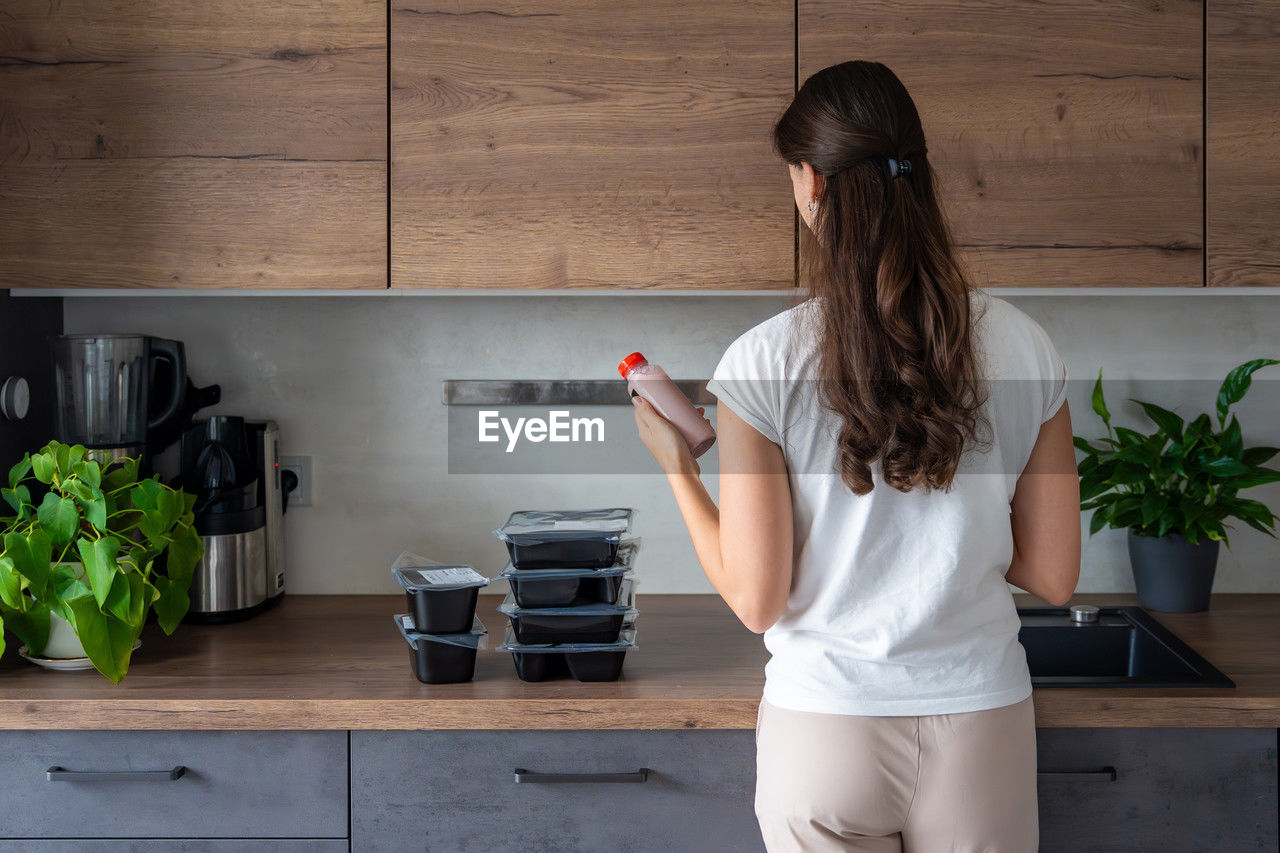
(1171, 574)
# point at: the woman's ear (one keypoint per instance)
(808, 183)
(817, 184)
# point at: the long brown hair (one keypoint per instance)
(896, 359)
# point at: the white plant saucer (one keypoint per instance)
(61, 664)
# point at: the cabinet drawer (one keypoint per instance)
(456, 791)
(234, 785)
(177, 845)
(1174, 790)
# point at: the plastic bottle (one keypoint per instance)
(651, 382)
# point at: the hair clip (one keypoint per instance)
(899, 167)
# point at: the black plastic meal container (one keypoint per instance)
(566, 591)
(442, 599)
(578, 539)
(438, 663)
(583, 662)
(582, 666)
(548, 551)
(541, 667)
(598, 628)
(441, 658)
(570, 587)
(585, 623)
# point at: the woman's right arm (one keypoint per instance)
(1045, 514)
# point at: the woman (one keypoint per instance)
(893, 450)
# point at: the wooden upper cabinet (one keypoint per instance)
(212, 144)
(583, 144)
(1243, 158)
(1067, 135)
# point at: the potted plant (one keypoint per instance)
(1173, 489)
(83, 561)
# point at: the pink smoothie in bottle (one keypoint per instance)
(652, 383)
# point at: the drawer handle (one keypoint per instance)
(61, 774)
(1104, 774)
(528, 776)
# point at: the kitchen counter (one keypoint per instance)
(337, 662)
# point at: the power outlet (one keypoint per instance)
(301, 466)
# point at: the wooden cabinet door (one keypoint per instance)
(577, 144)
(1242, 115)
(1067, 135)
(218, 144)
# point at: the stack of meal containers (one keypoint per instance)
(441, 627)
(572, 600)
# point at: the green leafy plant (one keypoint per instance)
(1184, 478)
(88, 551)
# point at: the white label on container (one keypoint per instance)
(447, 577)
(594, 524)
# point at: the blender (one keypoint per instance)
(107, 396)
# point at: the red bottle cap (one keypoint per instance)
(631, 361)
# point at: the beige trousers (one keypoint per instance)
(942, 783)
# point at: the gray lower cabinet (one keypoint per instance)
(456, 792)
(178, 845)
(1129, 789)
(105, 785)
(1174, 790)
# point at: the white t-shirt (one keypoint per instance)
(898, 604)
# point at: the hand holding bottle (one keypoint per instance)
(663, 440)
(650, 382)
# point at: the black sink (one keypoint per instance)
(1124, 648)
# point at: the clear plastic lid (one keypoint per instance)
(626, 605)
(608, 524)
(623, 564)
(412, 635)
(626, 640)
(439, 578)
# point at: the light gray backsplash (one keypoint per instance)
(356, 383)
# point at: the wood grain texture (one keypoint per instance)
(1243, 145)
(337, 662)
(217, 145)
(1067, 136)
(572, 144)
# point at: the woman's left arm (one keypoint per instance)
(745, 546)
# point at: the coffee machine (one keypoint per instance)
(123, 395)
(231, 465)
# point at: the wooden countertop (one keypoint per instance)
(337, 662)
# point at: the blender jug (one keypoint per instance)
(103, 386)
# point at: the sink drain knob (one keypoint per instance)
(1084, 613)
